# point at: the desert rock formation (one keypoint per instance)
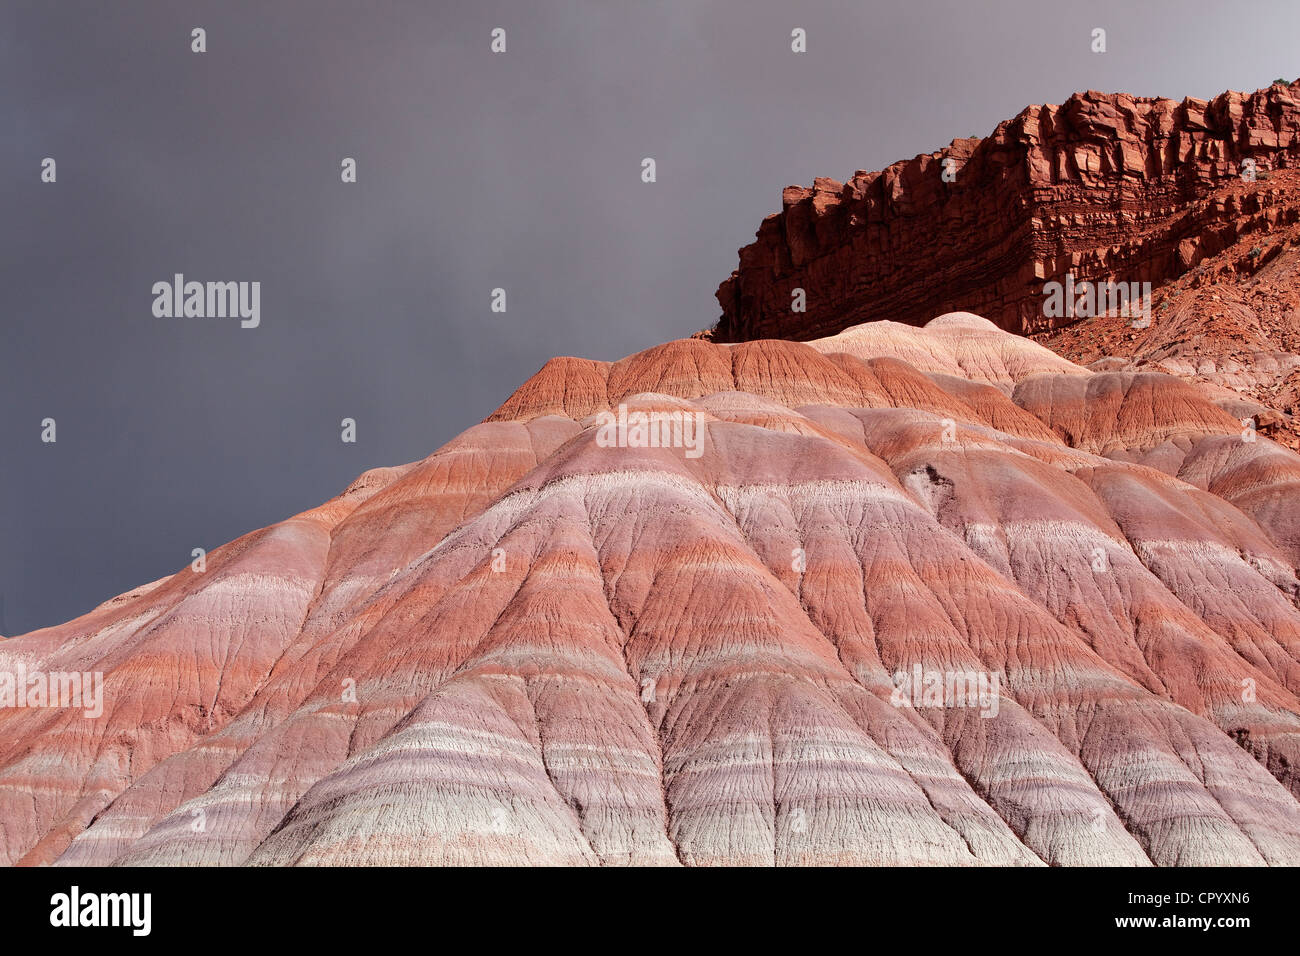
(1231, 323)
(1103, 187)
(534, 647)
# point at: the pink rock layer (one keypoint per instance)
(533, 647)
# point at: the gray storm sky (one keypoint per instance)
(476, 170)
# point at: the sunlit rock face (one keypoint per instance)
(904, 595)
(1105, 186)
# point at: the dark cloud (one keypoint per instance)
(476, 171)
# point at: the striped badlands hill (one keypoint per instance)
(539, 646)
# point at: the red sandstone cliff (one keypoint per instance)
(1103, 186)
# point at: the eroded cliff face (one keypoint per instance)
(1231, 323)
(535, 646)
(1104, 186)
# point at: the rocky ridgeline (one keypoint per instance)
(1105, 186)
(535, 646)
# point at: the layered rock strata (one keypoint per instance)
(538, 646)
(1104, 187)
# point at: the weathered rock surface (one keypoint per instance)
(1103, 186)
(1232, 323)
(532, 648)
